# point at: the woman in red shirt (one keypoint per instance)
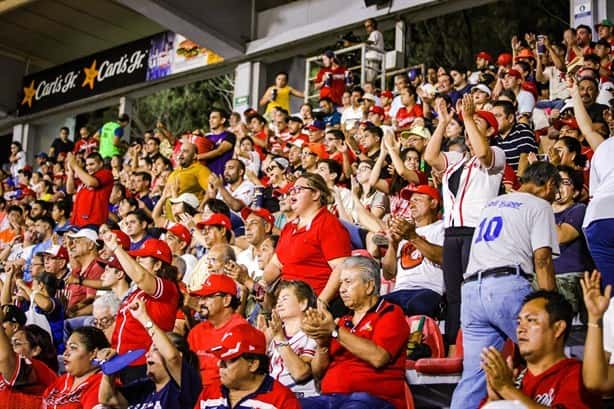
(312, 246)
(78, 387)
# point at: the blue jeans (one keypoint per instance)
(356, 400)
(489, 309)
(416, 302)
(600, 238)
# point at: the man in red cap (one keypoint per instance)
(415, 252)
(244, 372)
(217, 302)
(469, 181)
(513, 81)
(216, 230)
(482, 60)
(178, 238)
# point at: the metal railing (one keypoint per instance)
(358, 69)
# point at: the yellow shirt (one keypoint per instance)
(193, 179)
(282, 100)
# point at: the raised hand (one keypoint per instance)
(468, 106)
(596, 302)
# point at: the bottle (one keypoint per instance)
(274, 94)
(329, 79)
(348, 78)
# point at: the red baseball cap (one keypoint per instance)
(112, 262)
(216, 283)
(56, 251)
(122, 239)
(408, 191)
(283, 190)
(488, 117)
(260, 212)
(504, 59)
(571, 123)
(242, 339)
(484, 55)
(514, 73)
(181, 231)
(377, 110)
(155, 248)
(387, 94)
(216, 219)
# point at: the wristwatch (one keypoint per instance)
(335, 332)
(149, 327)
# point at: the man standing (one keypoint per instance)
(550, 379)
(515, 138)
(373, 57)
(516, 235)
(110, 136)
(62, 145)
(217, 302)
(91, 203)
(223, 142)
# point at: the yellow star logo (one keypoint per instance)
(28, 94)
(90, 75)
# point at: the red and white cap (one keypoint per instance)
(260, 212)
(216, 219)
(56, 251)
(216, 283)
(155, 248)
(242, 339)
(181, 232)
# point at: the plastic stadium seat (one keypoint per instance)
(409, 398)
(431, 336)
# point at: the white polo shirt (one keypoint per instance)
(601, 184)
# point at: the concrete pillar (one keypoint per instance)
(586, 12)
(250, 82)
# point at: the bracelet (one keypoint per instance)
(323, 302)
(593, 325)
(279, 344)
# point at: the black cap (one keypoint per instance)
(14, 315)
(123, 118)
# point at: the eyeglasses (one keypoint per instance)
(566, 182)
(104, 322)
(297, 189)
(271, 168)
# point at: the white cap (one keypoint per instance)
(369, 96)
(188, 198)
(504, 404)
(89, 234)
(482, 87)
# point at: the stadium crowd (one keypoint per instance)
(274, 259)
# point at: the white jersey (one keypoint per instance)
(414, 271)
(601, 184)
(303, 346)
(608, 331)
(478, 184)
(511, 228)
(246, 192)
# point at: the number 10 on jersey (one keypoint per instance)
(489, 229)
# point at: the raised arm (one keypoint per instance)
(432, 153)
(478, 141)
(585, 123)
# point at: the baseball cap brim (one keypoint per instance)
(120, 362)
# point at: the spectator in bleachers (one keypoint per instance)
(110, 136)
(481, 97)
(360, 359)
(17, 159)
(414, 255)
(325, 243)
(482, 61)
(460, 84)
(331, 117)
(516, 235)
(34, 343)
(374, 57)
(217, 301)
(512, 81)
(516, 139)
(237, 192)
(401, 82)
(82, 378)
(135, 227)
(91, 196)
(178, 238)
(258, 226)
(409, 111)
(61, 145)
(278, 95)
(550, 379)
(105, 308)
(353, 113)
(470, 180)
(331, 78)
(244, 368)
(223, 142)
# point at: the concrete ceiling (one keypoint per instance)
(45, 33)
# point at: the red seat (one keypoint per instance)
(431, 336)
(409, 398)
(454, 365)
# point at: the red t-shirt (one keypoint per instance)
(86, 146)
(337, 84)
(91, 204)
(271, 395)
(338, 157)
(305, 252)
(60, 396)
(263, 136)
(405, 118)
(31, 377)
(205, 336)
(161, 306)
(560, 386)
(384, 325)
(78, 293)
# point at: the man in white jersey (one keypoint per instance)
(516, 237)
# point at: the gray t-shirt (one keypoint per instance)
(511, 228)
